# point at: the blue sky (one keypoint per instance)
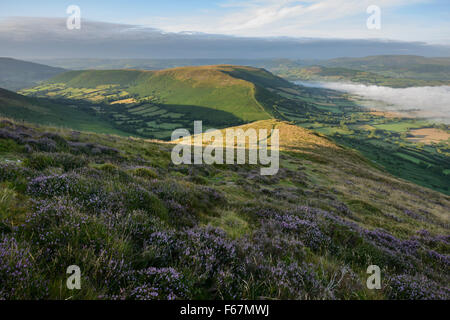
(409, 20)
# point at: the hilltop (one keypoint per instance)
(18, 74)
(142, 228)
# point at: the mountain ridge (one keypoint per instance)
(233, 89)
(18, 74)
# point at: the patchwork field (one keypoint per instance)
(429, 135)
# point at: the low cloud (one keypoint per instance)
(428, 102)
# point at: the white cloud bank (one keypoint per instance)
(310, 18)
(429, 102)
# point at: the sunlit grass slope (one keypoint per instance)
(47, 112)
(227, 88)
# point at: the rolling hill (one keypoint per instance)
(153, 103)
(18, 74)
(405, 67)
(227, 88)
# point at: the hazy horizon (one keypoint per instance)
(48, 38)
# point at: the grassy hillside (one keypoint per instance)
(17, 74)
(141, 228)
(153, 103)
(226, 88)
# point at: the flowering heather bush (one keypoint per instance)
(60, 141)
(6, 134)
(407, 287)
(208, 250)
(54, 223)
(271, 241)
(53, 185)
(399, 254)
(192, 198)
(156, 284)
(162, 247)
(296, 281)
(436, 242)
(307, 231)
(180, 215)
(18, 276)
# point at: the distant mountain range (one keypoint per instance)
(405, 66)
(387, 70)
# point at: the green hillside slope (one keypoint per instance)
(154, 103)
(43, 111)
(17, 74)
(226, 88)
(140, 227)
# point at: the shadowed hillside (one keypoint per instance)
(227, 88)
(18, 74)
(48, 112)
(154, 103)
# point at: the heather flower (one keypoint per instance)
(18, 274)
(154, 284)
(418, 287)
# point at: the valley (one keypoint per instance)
(151, 104)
